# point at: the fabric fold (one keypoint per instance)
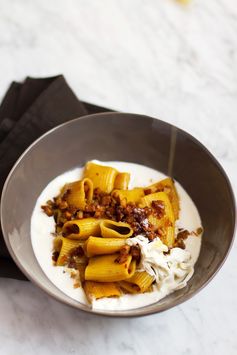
(27, 111)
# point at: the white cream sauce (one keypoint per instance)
(173, 271)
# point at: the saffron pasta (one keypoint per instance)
(99, 246)
(79, 193)
(164, 223)
(133, 195)
(103, 177)
(140, 281)
(128, 287)
(81, 228)
(64, 246)
(112, 229)
(116, 236)
(106, 269)
(167, 186)
(121, 181)
(97, 290)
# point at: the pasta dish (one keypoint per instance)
(117, 241)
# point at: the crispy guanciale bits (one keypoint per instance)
(127, 250)
(138, 207)
(163, 218)
(183, 234)
(166, 185)
(68, 252)
(103, 206)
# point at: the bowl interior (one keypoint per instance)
(121, 137)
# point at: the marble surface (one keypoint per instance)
(154, 57)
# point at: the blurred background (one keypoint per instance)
(175, 60)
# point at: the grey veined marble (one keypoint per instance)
(152, 57)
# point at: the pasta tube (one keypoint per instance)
(103, 177)
(158, 196)
(129, 287)
(167, 185)
(133, 195)
(96, 290)
(165, 223)
(141, 280)
(99, 246)
(64, 246)
(82, 228)
(122, 181)
(78, 193)
(169, 236)
(112, 229)
(106, 269)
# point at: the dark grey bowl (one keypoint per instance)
(124, 137)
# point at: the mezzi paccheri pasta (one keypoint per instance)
(103, 230)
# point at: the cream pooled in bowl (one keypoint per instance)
(170, 268)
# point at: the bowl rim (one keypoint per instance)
(143, 310)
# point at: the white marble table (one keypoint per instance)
(153, 57)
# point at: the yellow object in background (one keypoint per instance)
(184, 2)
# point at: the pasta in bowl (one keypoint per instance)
(119, 233)
(58, 159)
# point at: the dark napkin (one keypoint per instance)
(28, 110)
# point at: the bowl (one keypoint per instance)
(121, 137)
